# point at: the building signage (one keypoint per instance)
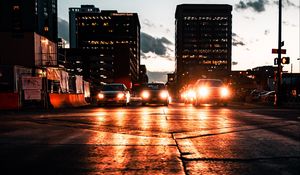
(32, 83)
(32, 94)
(275, 51)
(32, 88)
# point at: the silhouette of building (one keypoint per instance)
(28, 32)
(72, 21)
(113, 40)
(143, 77)
(203, 42)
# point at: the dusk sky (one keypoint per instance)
(255, 29)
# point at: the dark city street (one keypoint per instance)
(170, 87)
(179, 139)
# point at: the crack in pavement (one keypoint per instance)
(181, 155)
(228, 132)
(240, 160)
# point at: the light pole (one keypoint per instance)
(278, 99)
(299, 64)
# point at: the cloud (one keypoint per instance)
(260, 5)
(158, 46)
(236, 40)
(63, 29)
(147, 23)
(287, 3)
(234, 63)
(267, 32)
(256, 5)
(158, 63)
(158, 76)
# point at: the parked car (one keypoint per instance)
(114, 93)
(155, 93)
(211, 91)
(268, 97)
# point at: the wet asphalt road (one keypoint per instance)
(179, 139)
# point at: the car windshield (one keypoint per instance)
(113, 88)
(213, 83)
(156, 86)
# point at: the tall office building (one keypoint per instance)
(113, 40)
(28, 32)
(72, 21)
(203, 41)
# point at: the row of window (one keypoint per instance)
(196, 56)
(203, 29)
(203, 45)
(104, 24)
(94, 42)
(207, 18)
(94, 17)
(207, 51)
(213, 24)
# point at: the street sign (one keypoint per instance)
(275, 51)
(284, 60)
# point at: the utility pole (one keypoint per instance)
(278, 100)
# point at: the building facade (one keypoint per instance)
(203, 42)
(28, 32)
(116, 38)
(72, 21)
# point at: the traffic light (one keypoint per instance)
(285, 60)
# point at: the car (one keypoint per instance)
(187, 94)
(155, 93)
(113, 93)
(211, 91)
(268, 97)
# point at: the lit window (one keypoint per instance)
(16, 7)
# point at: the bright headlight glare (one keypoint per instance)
(203, 91)
(191, 94)
(101, 96)
(224, 92)
(145, 94)
(120, 96)
(164, 94)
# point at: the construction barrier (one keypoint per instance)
(67, 100)
(9, 101)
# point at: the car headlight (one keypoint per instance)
(164, 94)
(191, 94)
(145, 94)
(224, 92)
(120, 95)
(100, 96)
(203, 91)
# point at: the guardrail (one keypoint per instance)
(67, 100)
(9, 101)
